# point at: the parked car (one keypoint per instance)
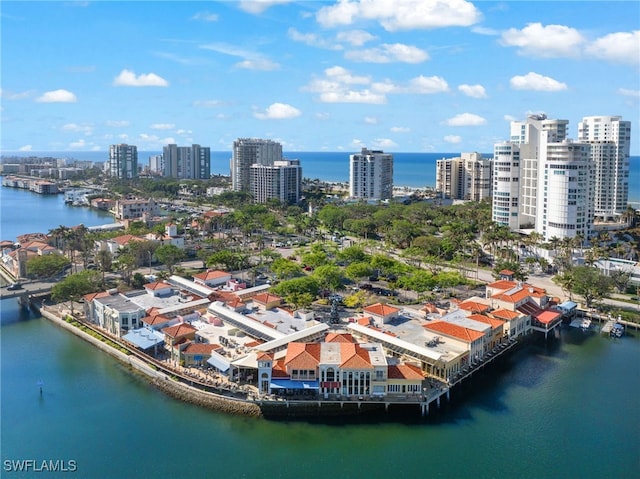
(15, 286)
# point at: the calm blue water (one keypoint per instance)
(571, 410)
(410, 169)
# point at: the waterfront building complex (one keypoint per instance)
(248, 152)
(186, 162)
(610, 141)
(371, 175)
(467, 177)
(281, 181)
(123, 161)
(156, 164)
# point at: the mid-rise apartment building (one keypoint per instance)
(282, 181)
(371, 175)
(467, 177)
(123, 161)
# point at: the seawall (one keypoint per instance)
(162, 381)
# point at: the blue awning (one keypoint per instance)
(219, 362)
(289, 384)
(568, 306)
(144, 338)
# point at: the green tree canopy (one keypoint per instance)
(285, 269)
(76, 285)
(169, 255)
(591, 284)
(46, 265)
(329, 276)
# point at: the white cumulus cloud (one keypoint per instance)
(620, 47)
(453, 139)
(162, 126)
(400, 129)
(401, 14)
(26, 148)
(384, 143)
(278, 111)
(57, 96)
(474, 91)
(627, 92)
(466, 119)
(370, 120)
(547, 41)
(535, 81)
(387, 53)
(357, 38)
(259, 6)
(262, 64)
(206, 17)
(117, 123)
(86, 129)
(129, 78)
(312, 39)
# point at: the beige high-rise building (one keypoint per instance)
(467, 177)
(610, 140)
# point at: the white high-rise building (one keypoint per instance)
(156, 164)
(565, 191)
(248, 152)
(467, 177)
(123, 161)
(371, 175)
(516, 170)
(282, 181)
(610, 140)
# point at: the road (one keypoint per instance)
(34, 287)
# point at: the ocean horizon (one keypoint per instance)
(411, 169)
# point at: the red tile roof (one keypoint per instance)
(505, 314)
(366, 321)
(339, 338)
(547, 316)
(502, 284)
(209, 275)
(157, 285)
(182, 329)
(262, 356)
(124, 239)
(404, 371)
(517, 294)
(155, 319)
(453, 330)
(474, 306)
(506, 272)
(201, 348)
(91, 296)
(303, 355)
(380, 309)
(493, 322)
(265, 298)
(279, 369)
(353, 356)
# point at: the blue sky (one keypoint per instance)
(401, 75)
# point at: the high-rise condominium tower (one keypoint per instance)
(371, 175)
(282, 181)
(543, 181)
(515, 170)
(123, 161)
(248, 152)
(610, 140)
(188, 162)
(467, 177)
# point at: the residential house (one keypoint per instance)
(211, 278)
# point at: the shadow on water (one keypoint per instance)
(14, 313)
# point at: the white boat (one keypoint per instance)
(617, 330)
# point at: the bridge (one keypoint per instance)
(28, 289)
